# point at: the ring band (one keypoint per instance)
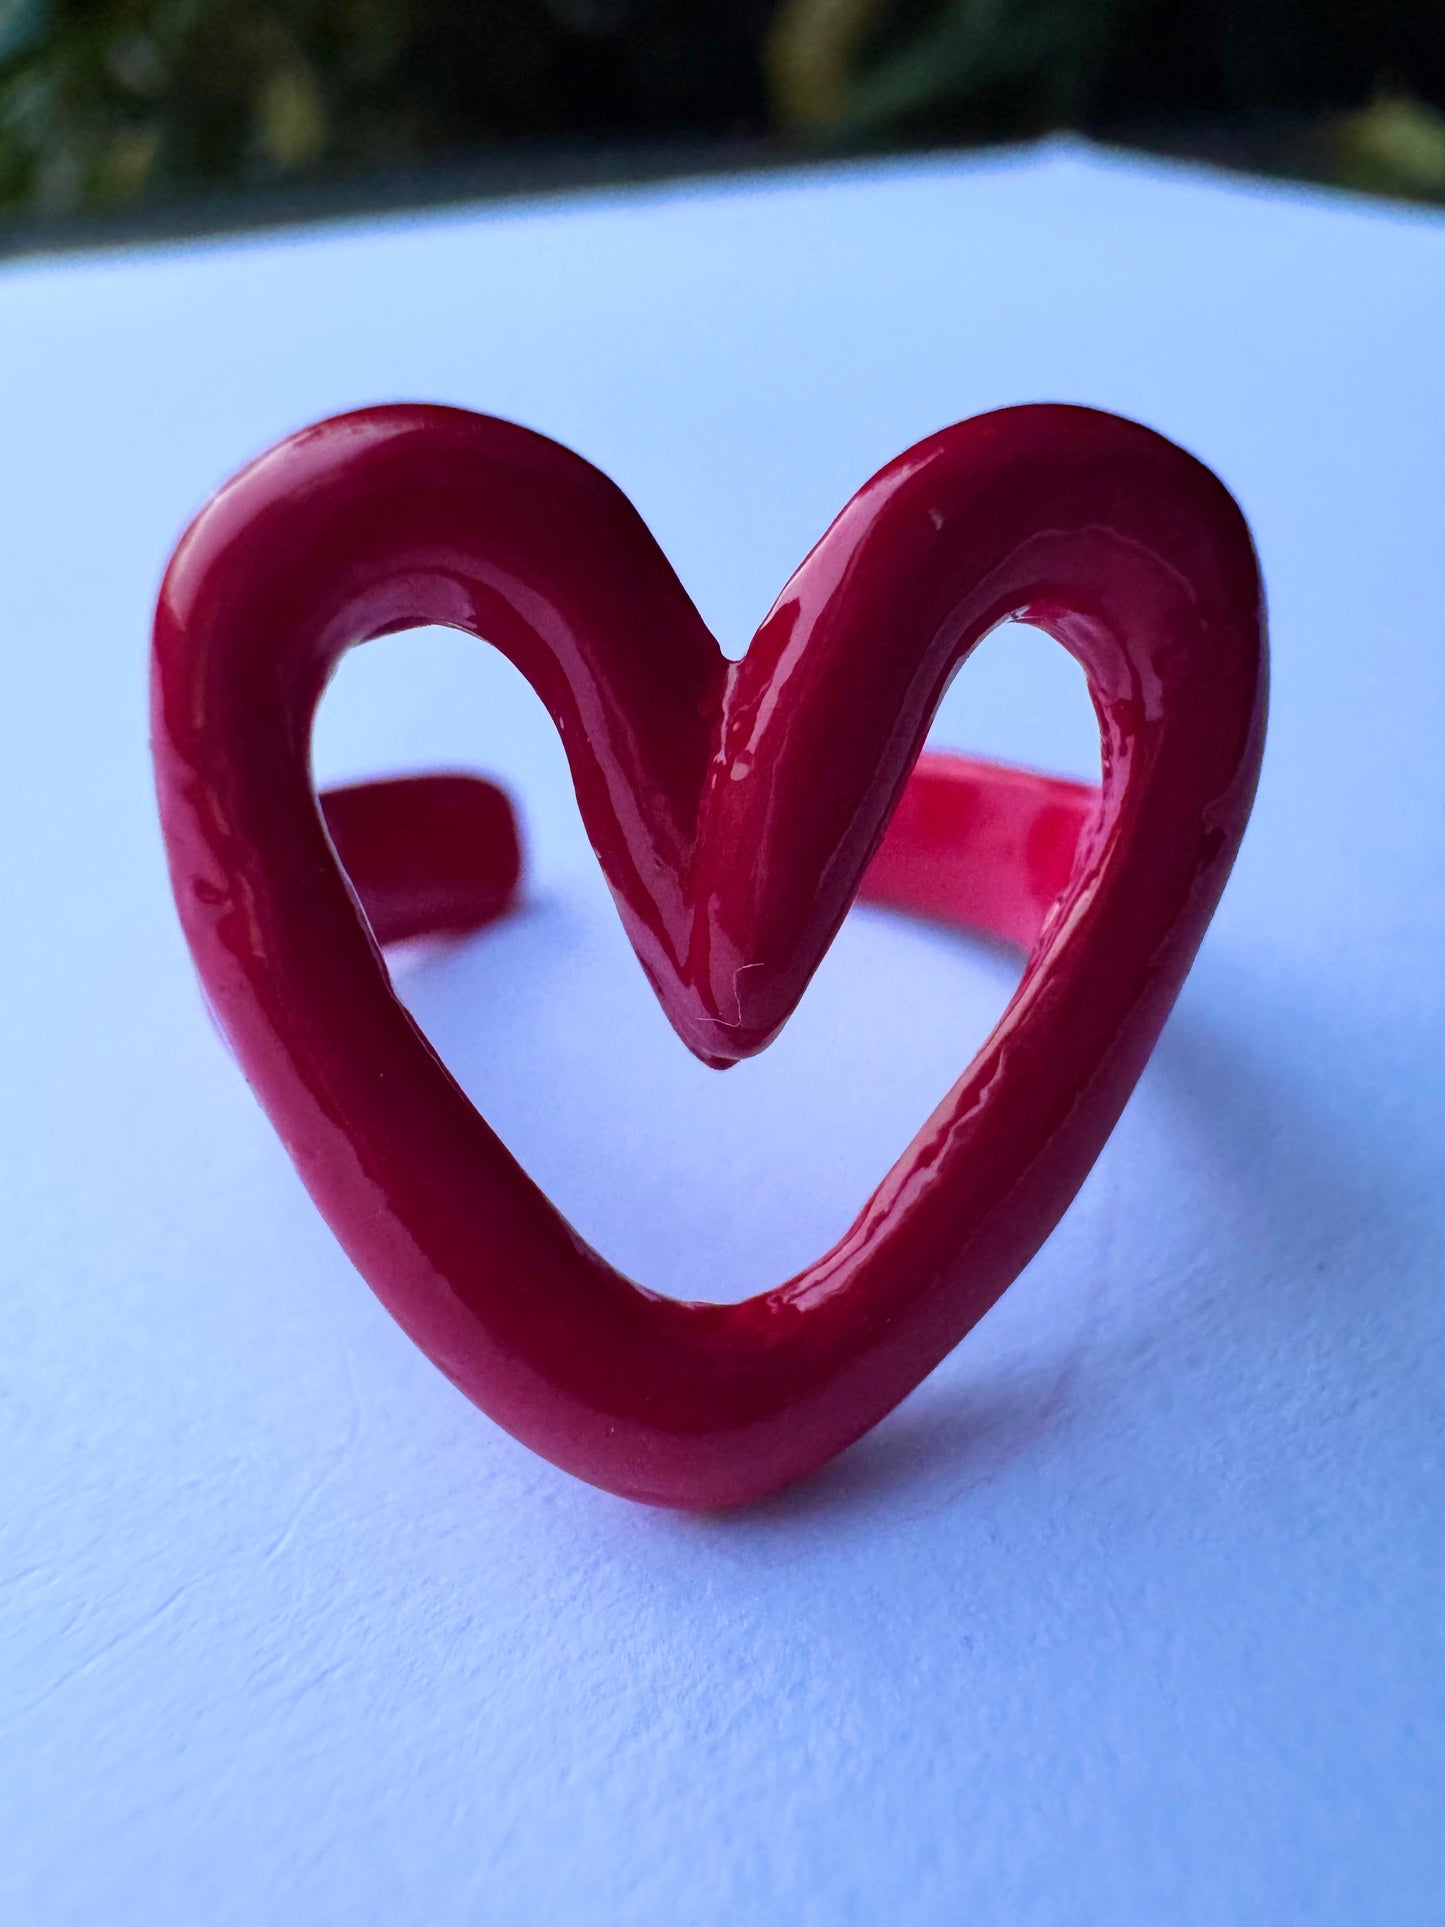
(984, 847)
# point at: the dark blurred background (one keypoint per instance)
(121, 113)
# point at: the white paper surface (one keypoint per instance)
(1133, 1612)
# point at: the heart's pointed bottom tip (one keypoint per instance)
(717, 1041)
(720, 1045)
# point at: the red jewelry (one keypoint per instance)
(736, 810)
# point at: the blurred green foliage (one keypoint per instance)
(106, 103)
(992, 65)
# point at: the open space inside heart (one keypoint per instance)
(696, 1184)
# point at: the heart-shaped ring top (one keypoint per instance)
(734, 808)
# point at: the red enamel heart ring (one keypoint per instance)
(737, 810)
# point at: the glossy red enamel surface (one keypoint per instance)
(735, 809)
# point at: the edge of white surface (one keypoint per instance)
(1064, 152)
